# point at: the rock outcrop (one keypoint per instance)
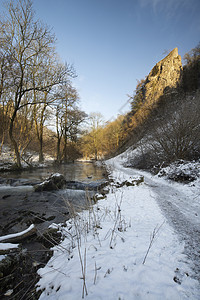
(165, 74)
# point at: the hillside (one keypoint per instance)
(165, 118)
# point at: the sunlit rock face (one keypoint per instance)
(164, 75)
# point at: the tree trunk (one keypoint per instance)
(95, 154)
(41, 155)
(2, 142)
(13, 141)
(58, 154)
(65, 149)
(41, 130)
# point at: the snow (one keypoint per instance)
(8, 246)
(123, 247)
(181, 169)
(22, 188)
(178, 194)
(7, 158)
(2, 257)
(10, 236)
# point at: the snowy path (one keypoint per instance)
(183, 213)
(181, 206)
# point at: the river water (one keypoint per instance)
(78, 171)
(20, 205)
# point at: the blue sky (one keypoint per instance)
(112, 43)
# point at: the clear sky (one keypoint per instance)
(112, 43)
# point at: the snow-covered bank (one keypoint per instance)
(185, 196)
(121, 248)
(179, 202)
(7, 160)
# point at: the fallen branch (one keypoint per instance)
(16, 237)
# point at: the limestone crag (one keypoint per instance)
(165, 74)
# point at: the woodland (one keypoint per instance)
(40, 112)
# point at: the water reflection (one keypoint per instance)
(78, 171)
(20, 205)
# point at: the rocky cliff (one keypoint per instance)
(165, 74)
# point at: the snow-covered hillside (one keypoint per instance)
(128, 246)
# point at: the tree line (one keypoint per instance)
(34, 84)
(36, 88)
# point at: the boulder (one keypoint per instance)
(130, 182)
(134, 181)
(54, 182)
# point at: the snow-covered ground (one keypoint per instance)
(7, 159)
(130, 245)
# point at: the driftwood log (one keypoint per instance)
(17, 237)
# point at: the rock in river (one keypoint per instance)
(57, 181)
(54, 182)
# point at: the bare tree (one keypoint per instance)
(177, 134)
(69, 102)
(68, 119)
(113, 134)
(59, 132)
(27, 43)
(5, 104)
(92, 141)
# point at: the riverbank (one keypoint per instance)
(7, 161)
(31, 160)
(21, 206)
(123, 247)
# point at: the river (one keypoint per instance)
(21, 206)
(83, 171)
